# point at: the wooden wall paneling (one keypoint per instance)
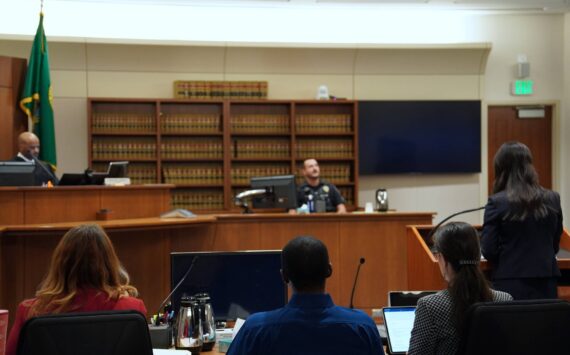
(381, 244)
(48, 206)
(126, 204)
(144, 256)
(237, 236)
(12, 273)
(423, 270)
(12, 207)
(275, 234)
(13, 121)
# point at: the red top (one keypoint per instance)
(89, 300)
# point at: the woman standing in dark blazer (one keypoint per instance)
(522, 227)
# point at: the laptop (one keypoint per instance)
(399, 322)
(72, 180)
(406, 298)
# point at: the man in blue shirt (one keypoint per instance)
(310, 323)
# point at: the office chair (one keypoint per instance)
(518, 327)
(93, 333)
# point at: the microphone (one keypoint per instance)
(38, 162)
(450, 217)
(362, 261)
(157, 321)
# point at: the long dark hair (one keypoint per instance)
(458, 242)
(515, 174)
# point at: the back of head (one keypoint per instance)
(458, 242)
(305, 262)
(84, 259)
(515, 174)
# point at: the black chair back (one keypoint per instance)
(97, 333)
(518, 327)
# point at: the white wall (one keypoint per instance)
(82, 70)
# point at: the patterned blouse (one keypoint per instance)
(433, 331)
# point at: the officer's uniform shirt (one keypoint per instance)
(324, 193)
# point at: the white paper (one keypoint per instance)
(237, 326)
(170, 352)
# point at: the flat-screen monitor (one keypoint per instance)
(17, 173)
(430, 137)
(281, 192)
(239, 283)
(118, 169)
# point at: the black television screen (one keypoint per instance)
(16, 173)
(419, 137)
(281, 191)
(239, 283)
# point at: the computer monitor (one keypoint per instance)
(17, 173)
(239, 283)
(118, 169)
(281, 192)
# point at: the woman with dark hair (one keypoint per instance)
(522, 227)
(84, 275)
(440, 318)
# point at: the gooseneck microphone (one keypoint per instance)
(450, 217)
(362, 261)
(39, 163)
(157, 321)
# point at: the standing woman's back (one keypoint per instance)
(522, 227)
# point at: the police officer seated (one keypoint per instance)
(318, 194)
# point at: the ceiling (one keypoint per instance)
(476, 5)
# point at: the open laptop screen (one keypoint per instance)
(399, 322)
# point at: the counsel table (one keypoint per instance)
(144, 246)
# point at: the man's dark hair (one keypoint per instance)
(305, 262)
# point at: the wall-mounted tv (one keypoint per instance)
(431, 137)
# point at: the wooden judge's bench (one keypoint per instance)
(34, 219)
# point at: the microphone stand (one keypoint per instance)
(362, 261)
(450, 217)
(38, 162)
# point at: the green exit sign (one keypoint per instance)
(522, 87)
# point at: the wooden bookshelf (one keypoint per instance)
(211, 148)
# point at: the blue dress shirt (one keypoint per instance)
(308, 324)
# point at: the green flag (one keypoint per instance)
(37, 96)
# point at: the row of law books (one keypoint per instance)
(330, 148)
(194, 175)
(329, 123)
(121, 122)
(260, 148)
(259, 123)
(335, 173)
(195, 148)
(242, 174)
(126, 149)
(190, 123)
(220, 89)
(198, 200)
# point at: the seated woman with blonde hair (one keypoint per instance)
(84, 275)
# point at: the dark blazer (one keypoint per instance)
(42, 175)
(521, 249)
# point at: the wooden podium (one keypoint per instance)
(423, 270)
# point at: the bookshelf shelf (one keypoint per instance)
(211, 149)
(130, 133)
